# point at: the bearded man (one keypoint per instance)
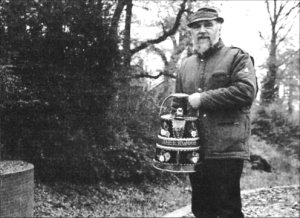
(221, 84)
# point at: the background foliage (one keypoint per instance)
(57, 92)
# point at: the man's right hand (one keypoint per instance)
(195, 100)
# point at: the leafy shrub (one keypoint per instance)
(276, 125)
(60, 86)
(133, 118)
(68, 107)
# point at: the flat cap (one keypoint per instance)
(205, 13)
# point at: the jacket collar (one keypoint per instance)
(212, 50)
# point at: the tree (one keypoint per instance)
(166, 33)
(289, 77)
(280, 14)
(127, 35)
(64, 57)
(181, 42)
(124, 35)
(69, 63)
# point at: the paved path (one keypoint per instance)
(282, 201)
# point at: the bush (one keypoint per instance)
(276, 125)
(60, 86)
(68, 107)
(134, 123)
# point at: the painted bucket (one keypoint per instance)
(177, 147)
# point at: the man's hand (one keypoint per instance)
(194, 100)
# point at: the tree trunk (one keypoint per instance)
(127, 36)
(270, 89)
(113, 31)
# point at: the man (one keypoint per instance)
(221, 84)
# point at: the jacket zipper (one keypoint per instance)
(202, 74)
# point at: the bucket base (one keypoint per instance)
(175, 168)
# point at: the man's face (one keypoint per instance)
(205, 34)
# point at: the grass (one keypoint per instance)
(285, 167)
(154, 200)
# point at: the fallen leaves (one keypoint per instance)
(102, 200)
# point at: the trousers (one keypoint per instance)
(216, 189)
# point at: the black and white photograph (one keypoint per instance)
(150, 108)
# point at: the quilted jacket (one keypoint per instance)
(226, 77)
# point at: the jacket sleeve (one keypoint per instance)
(241, 91)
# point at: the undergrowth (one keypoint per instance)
(285, 167)
(155, 199)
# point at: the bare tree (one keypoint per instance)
(280, 14)
(180, 42)
(165, 34)
(126, 39)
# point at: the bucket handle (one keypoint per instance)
(176, 95)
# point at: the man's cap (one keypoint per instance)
(205, 13)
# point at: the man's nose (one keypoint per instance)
(201, 29)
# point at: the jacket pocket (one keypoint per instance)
(229, 134)
(219, 80)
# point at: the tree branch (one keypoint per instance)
(160, 53)
(163, 27)
(147, 75)
(287, 59)
(284, 36)
(115, 19)
(174, 42)
(127, 34)
(264, 40)
(277, 14)
(166, 34)
(288, 13)
(269, 12)
(282, 26)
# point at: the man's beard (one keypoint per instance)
(202, 45)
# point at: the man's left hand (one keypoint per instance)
(195, 99)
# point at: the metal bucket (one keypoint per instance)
(177, 147)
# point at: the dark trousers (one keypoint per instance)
(216, 189)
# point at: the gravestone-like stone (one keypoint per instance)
(16, 189)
